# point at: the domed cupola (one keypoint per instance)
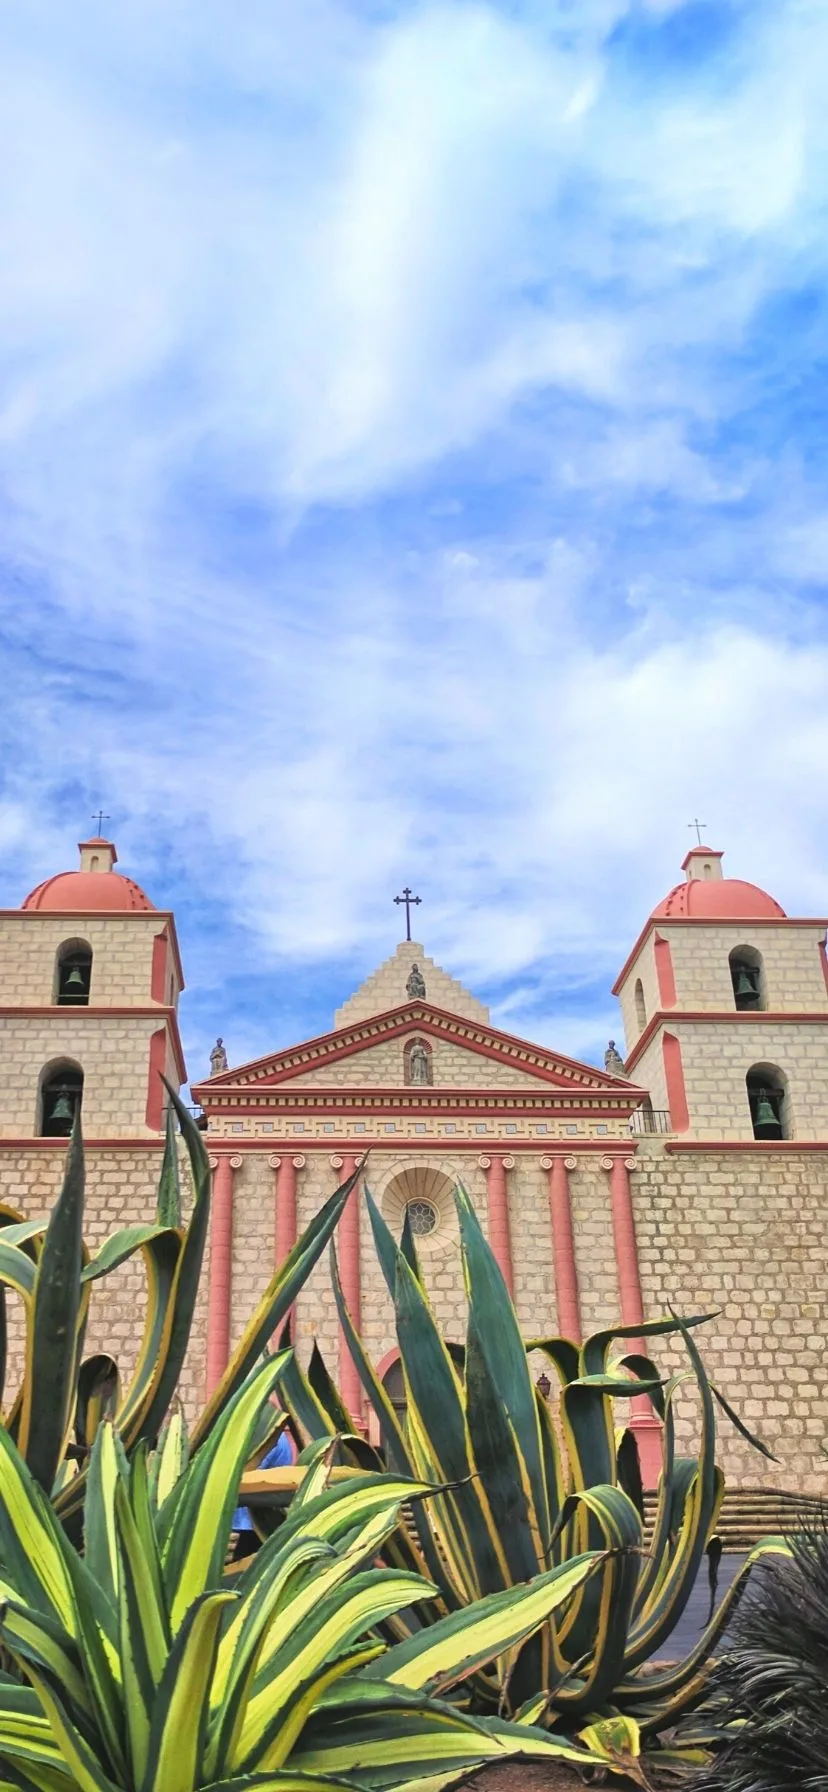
(706, 895)
(95, 888)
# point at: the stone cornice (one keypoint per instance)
(669, 1018)
(415, 1101)
(120, 1011)
(372, 1146)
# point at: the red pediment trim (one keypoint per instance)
(550, 1068)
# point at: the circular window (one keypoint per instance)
(422, 1217)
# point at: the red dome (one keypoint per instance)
(718, 899)
(89, 892)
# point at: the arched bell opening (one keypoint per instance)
(747, 974)
(769, 1102)
(640, 1005)
(60, 1094)
(73, 974)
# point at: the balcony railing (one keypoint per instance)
(649, 1120)
(197, 1113)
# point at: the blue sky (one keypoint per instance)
(413, 469)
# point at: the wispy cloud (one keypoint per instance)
(412, 467)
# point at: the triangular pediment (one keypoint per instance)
(372, 1053)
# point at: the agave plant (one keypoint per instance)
(523, 1488)
(54, 1413)
(146, 1670)
(766, 1705)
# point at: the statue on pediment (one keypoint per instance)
(415, 987)
(419, 1068)
(613, 1061)
(218, 1058)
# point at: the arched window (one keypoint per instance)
(769, 1101)
(747, 974)
(640, 1005)
(59, 1094)
(73, 974)
(418, 1067)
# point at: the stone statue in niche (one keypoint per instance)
(416, 983)
(419, 1065)
(218, 1058)
(613, 1061)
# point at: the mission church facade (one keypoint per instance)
(693, 1172)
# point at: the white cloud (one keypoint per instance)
(363, 432)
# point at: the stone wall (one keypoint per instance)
(643, 967)
(121, 945)
(717, 1057)
(738, 1234)
(112, 1051)
(121, 1185)
(700, 952)
(744, 1235)
(790, 952)
(385, 989)
(454, 1066)
(393, 1178)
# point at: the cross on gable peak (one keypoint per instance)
(410, 901)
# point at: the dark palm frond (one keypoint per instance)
(771, 1686)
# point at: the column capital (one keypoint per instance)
(299, 1161)
(630, 1163)
(485, 1163)
(570, 1163)
(547, 1163)
(607, 1163)
(274, 1161)
(336, 1162)
(508, 1161)
(231, 1158)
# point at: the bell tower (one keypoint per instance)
(725, 1006)
(91, 978)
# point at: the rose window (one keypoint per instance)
(422, 1217)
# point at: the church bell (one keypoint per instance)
(61, 1108)
(745, 986)
(766, 1125)
(75, 984)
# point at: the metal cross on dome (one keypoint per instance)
(698, 825)
(410, 902)
(100, 818)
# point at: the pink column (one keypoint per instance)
(285, 1227)
(643, 1420)
(349, 1270)
(563, 1246)
(498, 1198)
(221, 1268)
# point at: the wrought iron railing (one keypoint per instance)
(647, 1120)
(197, 1113)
